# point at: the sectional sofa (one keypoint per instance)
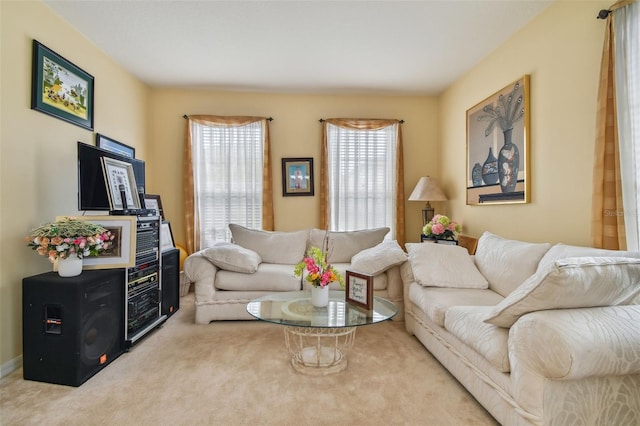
(538, 334)
(228, 276)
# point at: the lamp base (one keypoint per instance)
(427, 214)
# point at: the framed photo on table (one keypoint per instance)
(122, 253)
(61, 89)
(359, 290)
(297, 176)
(114, 146)
(120, 182)
(166, 236)
(153, 202)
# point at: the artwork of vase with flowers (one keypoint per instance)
(68, 242)
(508, 110)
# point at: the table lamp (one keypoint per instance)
(427, 189)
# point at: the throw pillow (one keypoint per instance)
(344, 245)
(378, 259)
(443, 265)
(562, 251)
(507, 263)
(233, 257)
(286, 248)
(577, 282)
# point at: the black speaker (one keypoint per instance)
(71, 327)
(170, 282)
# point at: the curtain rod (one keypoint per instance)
(186, 116)
(322, 120)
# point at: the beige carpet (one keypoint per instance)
(236, 373)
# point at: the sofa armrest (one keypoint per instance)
(200, 271)
(571, 344)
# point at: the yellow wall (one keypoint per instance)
(295, 132)
(561, 50)
(38, 174)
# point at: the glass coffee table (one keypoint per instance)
(318, 339)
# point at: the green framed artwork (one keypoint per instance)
(61, 89)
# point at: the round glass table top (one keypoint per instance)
(294, 308)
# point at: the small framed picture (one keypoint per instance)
(297, 176)
(153, 202)
(166, 236)
(120, 182)
(114, 146)
(359, 290)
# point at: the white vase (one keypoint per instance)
(320, 296)
(70, 266)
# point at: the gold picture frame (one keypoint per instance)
(122, 254)
(498, 169)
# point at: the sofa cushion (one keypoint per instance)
(268, 277)
(377, 259)
(562, 251)
(507, 263)
(272, 246)
(490, 341)
(442, 265)
(344, 245)
(232, 257)
(435, 301)
(578, 282)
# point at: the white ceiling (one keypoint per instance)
(377, 47)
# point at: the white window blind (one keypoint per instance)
(362, 178)
(228, 166)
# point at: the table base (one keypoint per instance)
(319, 351)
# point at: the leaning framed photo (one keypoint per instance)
(498, 170)
(121, 184)
(153, 202)
(297, 176)
(359, 290)
(61, 89)
(114, 146)
(166, 236)
(122, 253)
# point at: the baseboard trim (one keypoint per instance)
(10, 366)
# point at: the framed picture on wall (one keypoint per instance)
(297, 176)
(498, 141)
(61, 89)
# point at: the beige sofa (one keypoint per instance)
(538, 334)
(227, 276)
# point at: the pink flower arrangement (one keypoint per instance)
(441, 228)
(319, 272)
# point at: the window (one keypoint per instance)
(227, 176)
(362, 176)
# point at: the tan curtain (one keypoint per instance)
(607, 223)
(362, 124)
(191, 231)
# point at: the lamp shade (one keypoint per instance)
(427, 189)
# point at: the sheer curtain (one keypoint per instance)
(361, 168)
(627, 76)
(227, 177)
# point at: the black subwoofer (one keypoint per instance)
(170, 282)
(72, 327)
